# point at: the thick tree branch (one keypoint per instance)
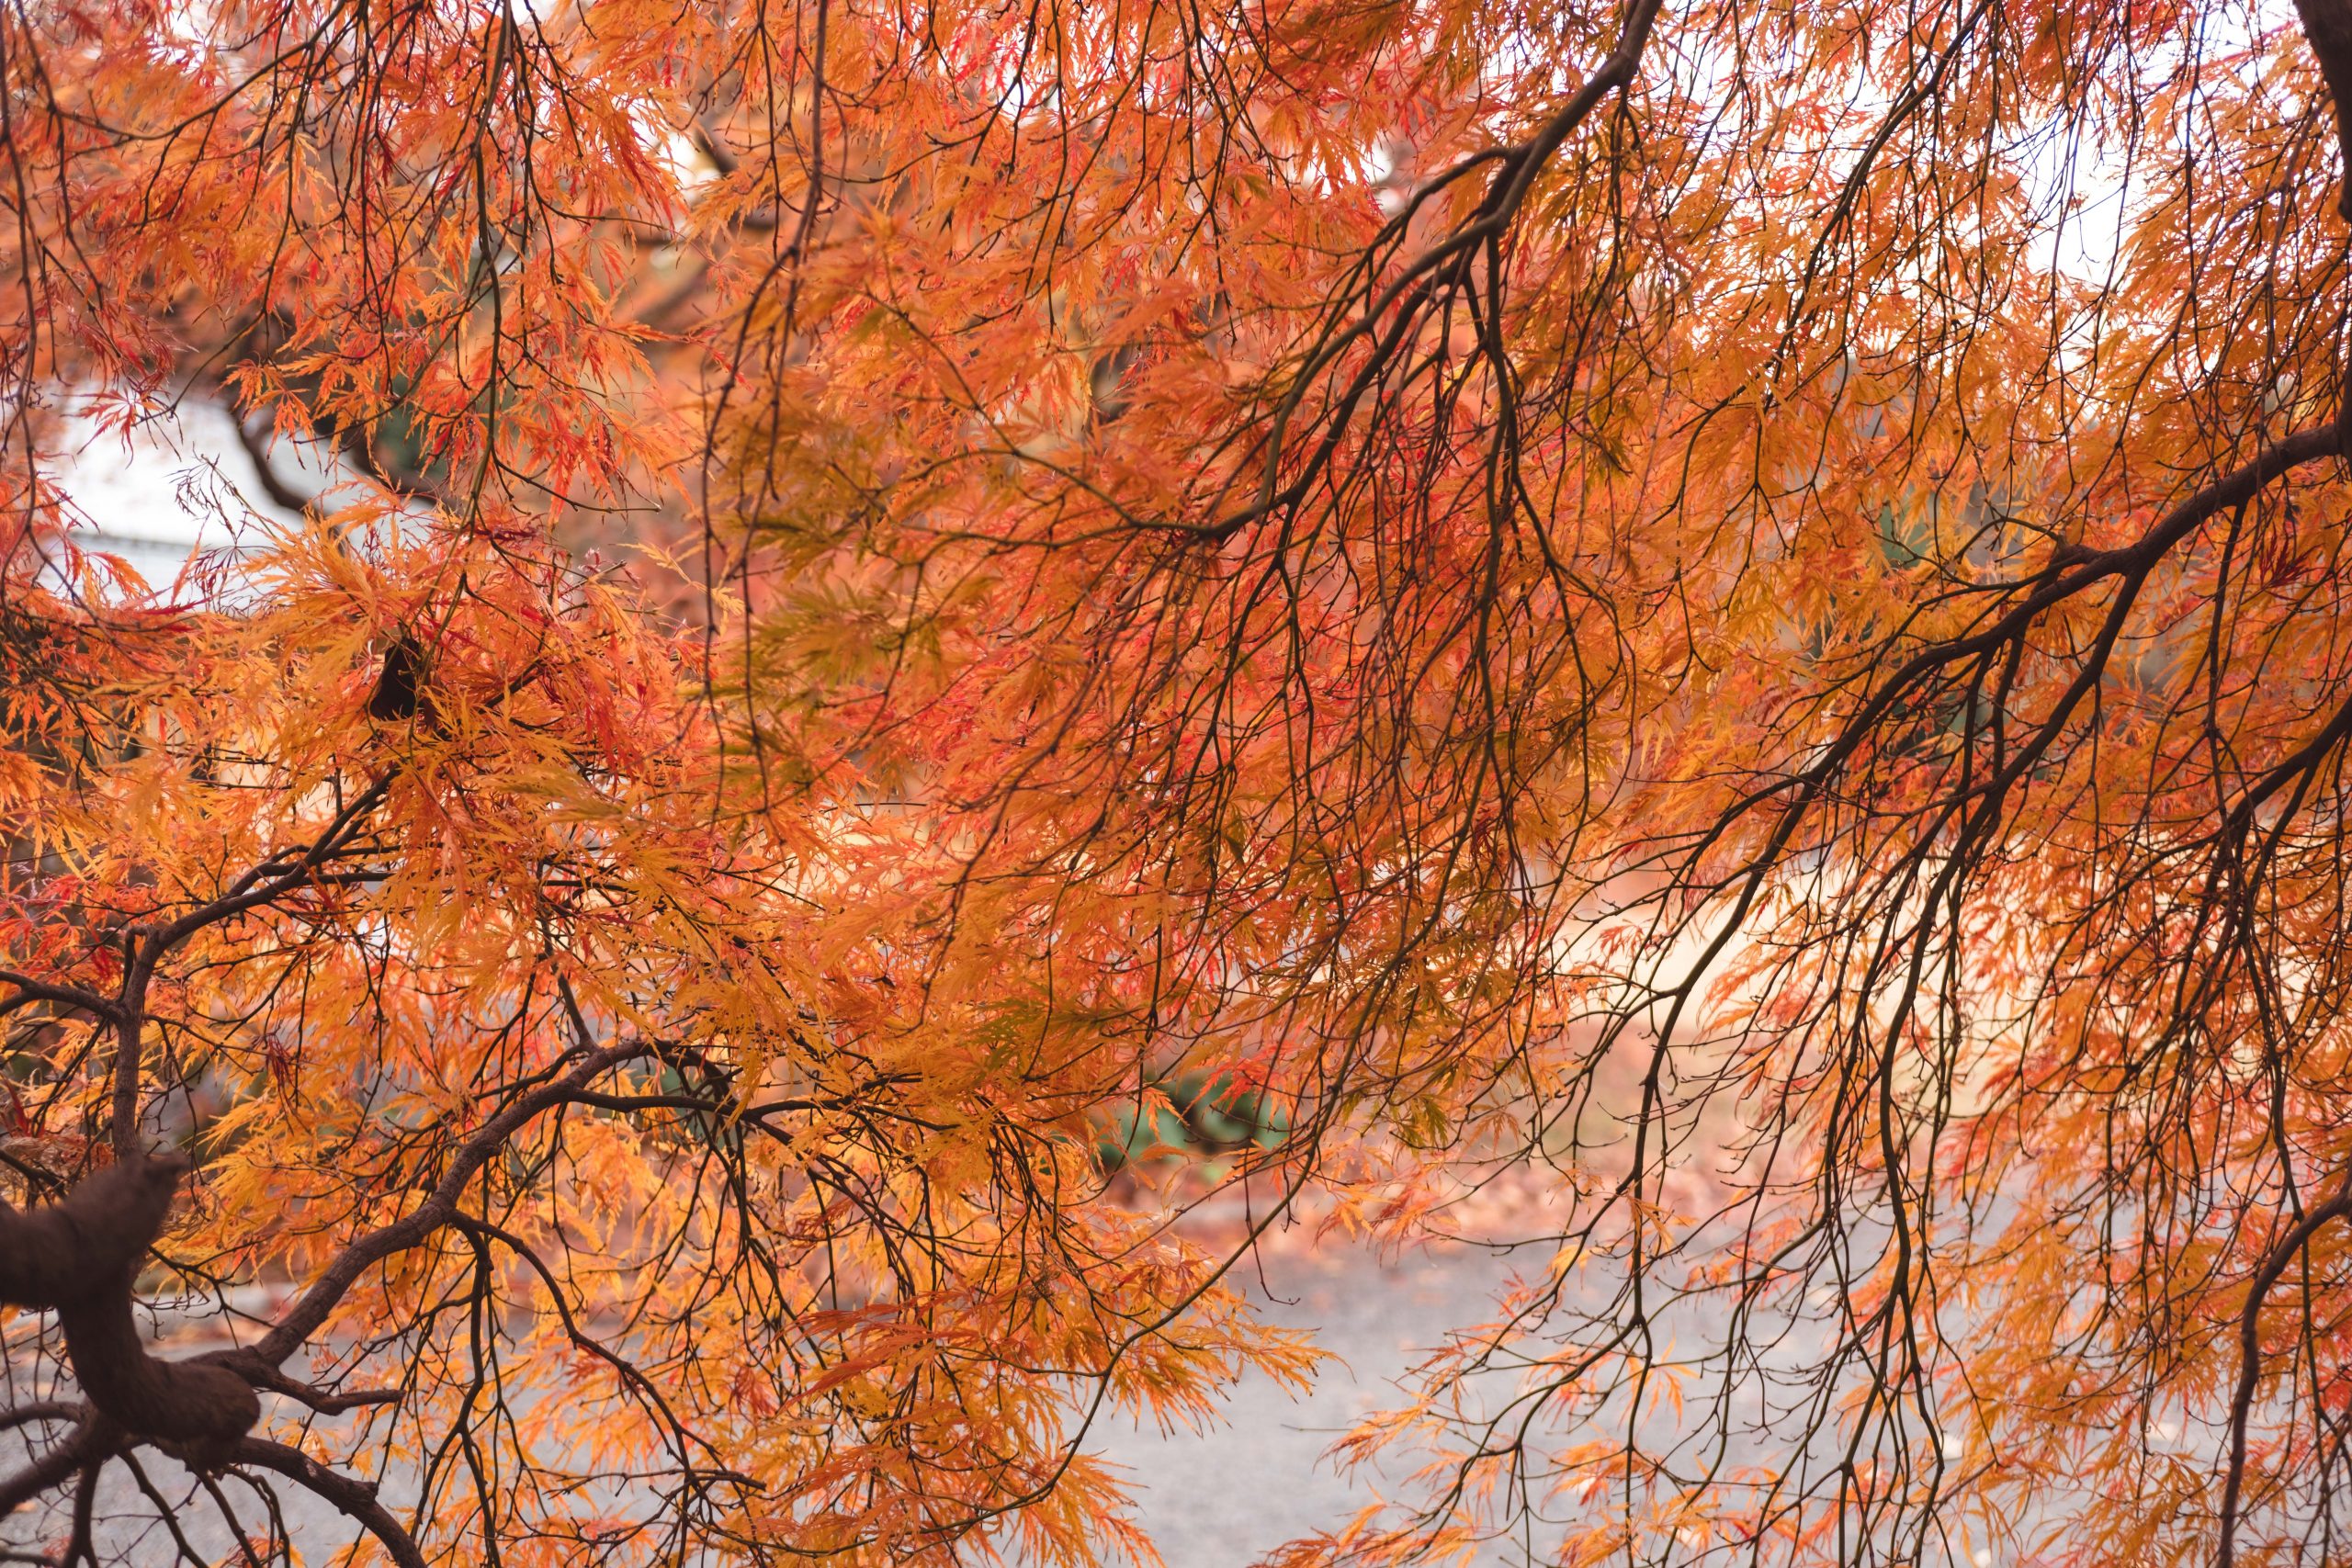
(56, 993)
(2328, 24)
(43, 1410)
(79, 1257)
(270, 1379)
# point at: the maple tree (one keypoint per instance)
(1733, 606)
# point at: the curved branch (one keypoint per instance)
(145, 946)
(583, 1341)
(1431, 275)
(43, 1410)
(255, 444)
(355, 1498)
(308, 1315)
(2070, 575)
(271, 1380)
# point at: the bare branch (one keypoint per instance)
(43, 1410)
(56, 992)
(355, 1498)
(92, 1440)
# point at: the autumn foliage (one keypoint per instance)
(1727, 613)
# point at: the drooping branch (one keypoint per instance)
(1386, 316)
(681, 1435)
(2276, 1263)
(42, 1410)
(274, 484)
(29, 989)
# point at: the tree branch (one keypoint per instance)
(52, 991)
(43, 1410)
(354, 1498)
(2274, 1264)
(439, 1208)
(79, 1257)
(145, 946)
(92, 1440)
(2327, 24)
(256, 449)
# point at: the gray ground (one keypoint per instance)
(1214, 1500)
(1223, 1499)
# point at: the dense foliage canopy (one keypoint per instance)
(1730, 609)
